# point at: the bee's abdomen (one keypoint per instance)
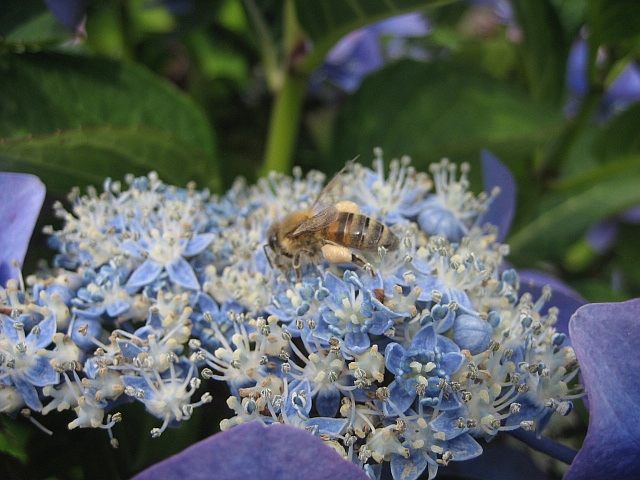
(361, 232)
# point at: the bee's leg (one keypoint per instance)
(335, 253)
(297, 263)
(266, 254)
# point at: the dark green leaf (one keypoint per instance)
(614, 23)
(13, 439)
(47, 92)
(543, 49)
(431, 110)
(620, 136)
(326, 21)
(89, 155)
(600, 194)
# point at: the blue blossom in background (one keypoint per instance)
(367, 49)
(623, 91)
(71, 13)
(158, 292)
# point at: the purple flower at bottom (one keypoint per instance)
(605, 338)
(256, 451)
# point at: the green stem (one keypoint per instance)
(284, 124)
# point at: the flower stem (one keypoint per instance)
(546, 446)
(283, 125)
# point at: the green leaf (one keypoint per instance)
(326, 21)
(543, 48)
(436, 109)
(30, 24)
(13, 439)
(89, 155)
(614, 23)
(600, 194)
(47, 92)
(620, 135)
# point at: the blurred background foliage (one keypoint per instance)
(205, 91)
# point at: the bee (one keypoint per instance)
(333, 233)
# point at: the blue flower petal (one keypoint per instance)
(92, 328)
(425, 339)
(393, 354)
(29, 393)
(606, 338)
(41, 373)
(441, 221)
(328, 402)
(117, 308)
(409, 468)
(328, 426)
(451, 362)
(181, 272)
(400, 398)
(472, 333)
(145, 274)
(357, 342)
(464, 447)
(21, 197)
(47, 329)
(128, 349)
(503, 207)
(255, 451)
(8, 330)
(198, 243)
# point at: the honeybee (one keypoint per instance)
(332, 233)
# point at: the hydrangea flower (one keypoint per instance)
(158, 292)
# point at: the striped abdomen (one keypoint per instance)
(358, 231)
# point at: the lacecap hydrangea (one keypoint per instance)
(157, 292)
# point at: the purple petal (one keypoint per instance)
(501, 210)
(601, 235)
(253, 451)
(69, 12)
(352, 58)
(606, 338)
(21, 197)
(577, 69)
(562, 296)
(625, 89)
(407, 25)
(631, 215)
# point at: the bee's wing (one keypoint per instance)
(323, 219)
